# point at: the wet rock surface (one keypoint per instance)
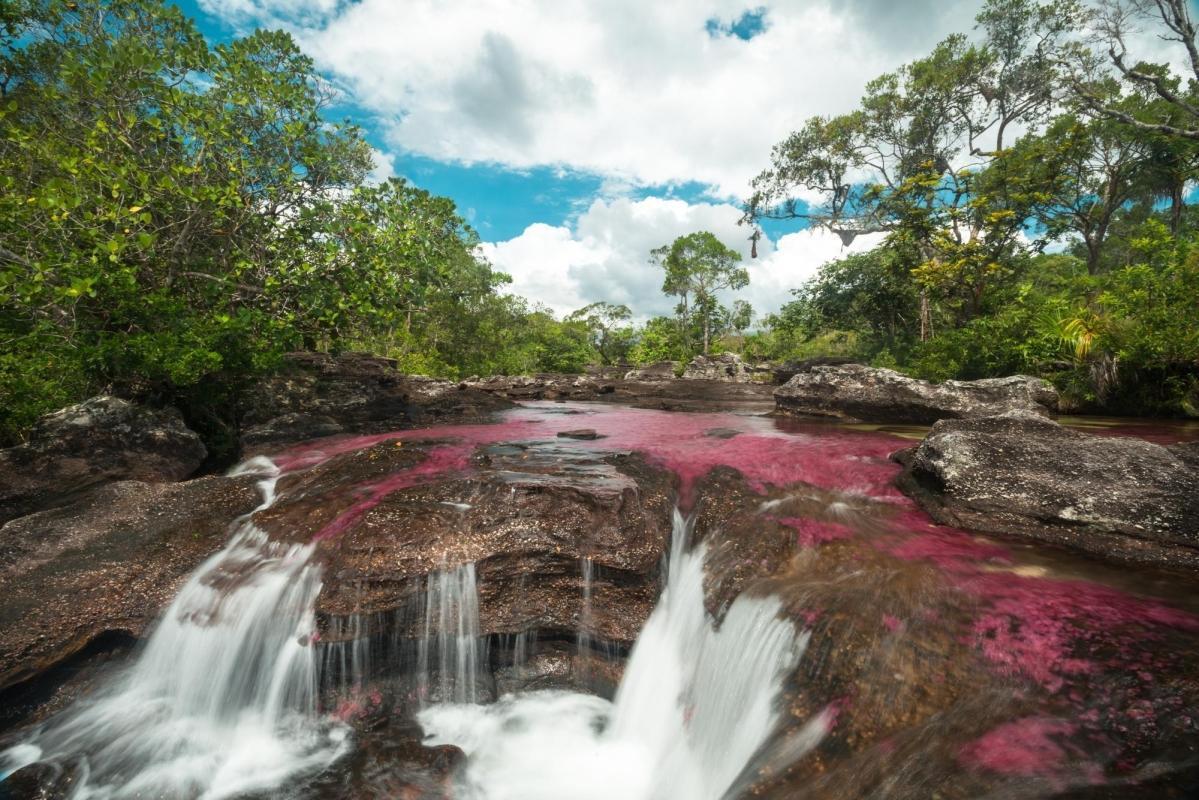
(867, 394)
(1021, 475)
(939, 663)
(97, 441)
(106, 563)
(525, 514)
(317, 394)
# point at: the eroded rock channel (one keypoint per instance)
(701, 604)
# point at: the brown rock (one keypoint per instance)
(1021, 475)
(97, 441)
(110, 561)
(316, 394)
(859, 393)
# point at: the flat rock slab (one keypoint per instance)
(1021, 475)
(110, 561)
(526, 514)
(854, 392)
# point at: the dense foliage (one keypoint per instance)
(174, 216)
(1066, 251)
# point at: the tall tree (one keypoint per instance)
(1113, 22)
(908, 161)
(698, 266)
(611, 331)
(1084, 172)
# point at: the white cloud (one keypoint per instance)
(605, 255)
(634, 91)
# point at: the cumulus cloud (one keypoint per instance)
(604, 255)
(649, 93)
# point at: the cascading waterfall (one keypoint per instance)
(222, 700)
(586, 621)
(450, 654)
(695, 708)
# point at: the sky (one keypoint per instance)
(577, 135)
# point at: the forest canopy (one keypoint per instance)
(175, 215)
(1032, 185)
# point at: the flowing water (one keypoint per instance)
(222, 701)
(451, 655)
(696, 704)
(1067, 667)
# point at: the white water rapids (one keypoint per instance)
(223, 699)
(696, 707)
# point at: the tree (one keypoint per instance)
(659, 340)
(1177, 115)
(908, 161)
(173, 216)
(697, 266)
(1088, 171)
(741, 317)
(610, 328)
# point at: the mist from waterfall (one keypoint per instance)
(222, 700)
(696, 708)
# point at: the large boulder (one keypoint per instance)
(1022, 475)
(726, 367)
(543, 386)
(317, 394)
(106, 563)
(858, 393)
(657, 371)
(97, 441)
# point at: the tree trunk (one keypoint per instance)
(926, 320)
(1093, 251)
(1177, 204)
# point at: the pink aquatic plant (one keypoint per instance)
(1023, 747)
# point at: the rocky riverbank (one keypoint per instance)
(936, 659)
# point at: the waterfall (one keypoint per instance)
(222, 700)
(583, 636)
(450, 655)
(697, 706)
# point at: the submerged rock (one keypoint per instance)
(109, 561)
(1021, 475)
(860, 393)
(580, 433)
(97, 441)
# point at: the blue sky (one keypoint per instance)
(501, 202)
(576, 135)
